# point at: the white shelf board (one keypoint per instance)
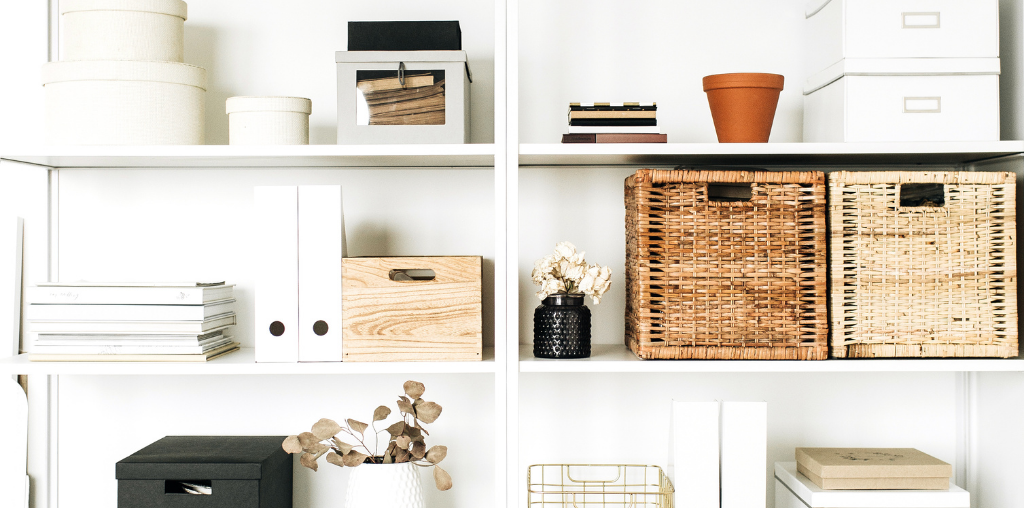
(242, 362)
(224, 156)
(617, 358)
(668, 154)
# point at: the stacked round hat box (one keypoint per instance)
(121, 80)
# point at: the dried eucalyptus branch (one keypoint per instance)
(405, 444)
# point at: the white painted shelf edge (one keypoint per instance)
(555, 154)
(204, 156)
(617, 358)
(242, 362)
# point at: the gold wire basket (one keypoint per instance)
(598, 485)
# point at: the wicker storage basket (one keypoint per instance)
(938, 279)
(720, 279)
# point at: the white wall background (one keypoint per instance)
(609, 50)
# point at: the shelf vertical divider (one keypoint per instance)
(515, 475)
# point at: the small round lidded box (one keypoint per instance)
(268, 120)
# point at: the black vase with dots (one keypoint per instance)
(561, 327)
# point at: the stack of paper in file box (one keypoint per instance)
(118, 321)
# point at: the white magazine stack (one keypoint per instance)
(901, 71)
(119, 321)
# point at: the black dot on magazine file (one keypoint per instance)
(277, 328)
(320, 327)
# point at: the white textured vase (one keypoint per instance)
(384, 486)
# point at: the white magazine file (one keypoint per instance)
(277, 274)
(744, 455)
(693, 453)
(321, 247)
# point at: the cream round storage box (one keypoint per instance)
(268, 120)
(124, 103)
(147, 30)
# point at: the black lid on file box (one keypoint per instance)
(404, 35)
(206, 457)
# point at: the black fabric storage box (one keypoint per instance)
(240, 471)
(404, 35)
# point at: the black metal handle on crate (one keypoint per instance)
(401, 73)
(411, 274)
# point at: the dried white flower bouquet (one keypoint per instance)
(566, 271)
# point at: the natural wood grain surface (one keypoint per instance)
(435, 320)
(923, 281)
(709, 279)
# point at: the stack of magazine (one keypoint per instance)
(128, 321)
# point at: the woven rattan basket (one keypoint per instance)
(709, 276)
(923, 277)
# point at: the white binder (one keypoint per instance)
(277, 274)
(321, 247)
(693, 453)
(744, 454)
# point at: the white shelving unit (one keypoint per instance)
(172, 212)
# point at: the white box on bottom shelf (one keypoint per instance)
(793, 490)
(954, 99)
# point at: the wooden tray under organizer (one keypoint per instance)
(726, 265)
(923, 264)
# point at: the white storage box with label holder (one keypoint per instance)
(145, 30)
(124, 103)
(268, 120)
(903, 99)
(403, 97)
(838, 29)
(794, 490)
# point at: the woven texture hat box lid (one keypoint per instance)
(403, 97)
(139, 30)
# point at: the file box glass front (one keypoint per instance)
(403, 97)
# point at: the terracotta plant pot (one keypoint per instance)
(743, 105)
